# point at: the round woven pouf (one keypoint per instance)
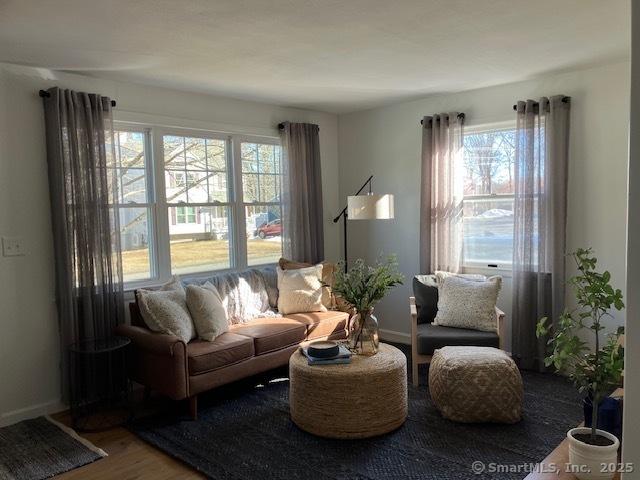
(365, 398)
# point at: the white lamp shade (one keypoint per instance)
(370, 207)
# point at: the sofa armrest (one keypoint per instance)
(158, 343)
(157, 361)
(500, 319)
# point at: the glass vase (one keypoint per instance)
(363, 334)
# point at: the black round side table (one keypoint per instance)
(99, 386)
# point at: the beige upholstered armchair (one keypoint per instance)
(427, 337)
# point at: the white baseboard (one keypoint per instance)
(31, 411)
(393, 336)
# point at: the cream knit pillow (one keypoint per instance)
(300, 290)
(208, 313)
(465, 303)
(165, 310)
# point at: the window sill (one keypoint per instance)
(503, 271)
(129, 288)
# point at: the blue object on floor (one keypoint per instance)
(609, 415)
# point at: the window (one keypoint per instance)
(261, 187)
(134, 204)
(489, 156)
(198, 202)
(186, 215)
(201, 202)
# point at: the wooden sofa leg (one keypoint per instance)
(193, 407)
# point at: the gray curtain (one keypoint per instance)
(540, 215)
(441, 193)
(302, 216)
(82, 186)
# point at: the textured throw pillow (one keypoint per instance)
(300, 290)
(208, 313)
(328, 270)
(464, 303)
(165, 310)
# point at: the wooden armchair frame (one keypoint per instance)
(418, 359)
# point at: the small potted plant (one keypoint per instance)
(594, 367)
(361, 288)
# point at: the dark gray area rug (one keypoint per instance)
(244, 432)
(39, 448)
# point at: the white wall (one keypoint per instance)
(386, 142)
(29, 351)
(631, 445)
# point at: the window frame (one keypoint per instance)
(483, 267)
(159, 228)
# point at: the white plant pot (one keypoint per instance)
(591, 462)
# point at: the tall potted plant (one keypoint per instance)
(595, 367)
(361, 288)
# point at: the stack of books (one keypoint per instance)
(343, 356)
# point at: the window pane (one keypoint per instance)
(199, 239)
(133, 185)
(173, 152)
(218, 187)
(251, 187)
(249, 152)
(131, 149)
(197, 187)
(135, 238)
(264, 234)
(216, 154)
(196, 154)
(266, 158)
(191, 179)
(127, 168)
(488, 162)
(488, 230)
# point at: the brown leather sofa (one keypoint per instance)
(179, 370)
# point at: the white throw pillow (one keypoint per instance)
(465, 303)
(300, 290)
(208, 313)
(165, 310)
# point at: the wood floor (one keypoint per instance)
(129, 458)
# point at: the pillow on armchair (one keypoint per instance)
(425, 291)
(467, 303)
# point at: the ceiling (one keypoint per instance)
(330, 55)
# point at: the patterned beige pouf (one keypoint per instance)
(476, 384)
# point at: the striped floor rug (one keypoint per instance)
(41, 448)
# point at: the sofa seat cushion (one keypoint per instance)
(431, 337)
(321, 324)
(270, 334)
(226, 349)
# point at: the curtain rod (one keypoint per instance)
(45, 94)
(460, 116)
(281, 126)
(564, 100)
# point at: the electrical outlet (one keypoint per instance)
(12, 246)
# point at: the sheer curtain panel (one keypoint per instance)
(540, 216)
(441, 193)
(86, 234)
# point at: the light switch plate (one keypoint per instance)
(12, 246)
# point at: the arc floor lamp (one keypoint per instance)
(365, 207)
